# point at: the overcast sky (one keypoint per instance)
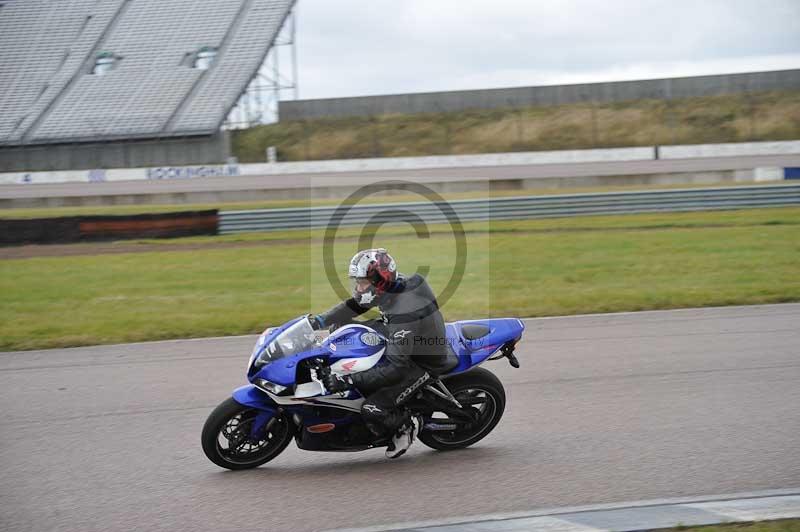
(357, 47)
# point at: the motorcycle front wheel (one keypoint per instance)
(229, 442)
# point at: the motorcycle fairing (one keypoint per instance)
(249, 395)
(473, 352)
(350, 400)
(283, 370)
(354, 348)
(349, 432)
(350, 347)
(344, 345)
(348, 342)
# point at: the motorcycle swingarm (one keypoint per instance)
(431, 402)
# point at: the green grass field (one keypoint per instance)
(785, 525)
(698, 120)
(531, 268)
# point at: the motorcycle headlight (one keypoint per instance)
(269, 386)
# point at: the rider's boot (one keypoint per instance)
(404, 437)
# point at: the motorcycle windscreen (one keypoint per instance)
(295, 339)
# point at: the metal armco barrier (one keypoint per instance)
(515, 208)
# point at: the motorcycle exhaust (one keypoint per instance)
(440, 426)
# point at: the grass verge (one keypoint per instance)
(784, 525)
(708, 119)
(533, 268)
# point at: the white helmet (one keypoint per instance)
(371, 272)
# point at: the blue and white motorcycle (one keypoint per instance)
(286, 400)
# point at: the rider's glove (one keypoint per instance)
(337, 383)
(317, 322)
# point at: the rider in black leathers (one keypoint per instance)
(416, 350)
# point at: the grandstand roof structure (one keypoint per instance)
(99, 70)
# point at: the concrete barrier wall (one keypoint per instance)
(336, 190)
(695, 151)
(436, 102)
(646, 153)
(451, 161)
(120, 174)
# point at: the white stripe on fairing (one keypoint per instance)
(352, 326)
(785, 507)
(329, 401)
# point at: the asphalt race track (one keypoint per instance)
(436, 175)
(605, 408)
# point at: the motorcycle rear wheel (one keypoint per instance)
(479, 384)
(227, 441)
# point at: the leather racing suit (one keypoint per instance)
(416, 349)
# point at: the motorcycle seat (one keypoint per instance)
(474, 331)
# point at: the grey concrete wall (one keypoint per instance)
(433, 102)
(123, 154)
(340, 192)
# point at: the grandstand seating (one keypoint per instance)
(48, 49)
